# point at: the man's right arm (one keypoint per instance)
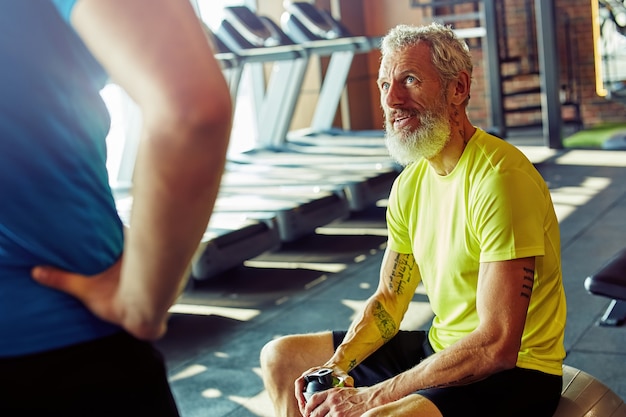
(157, 51)
(383, 313)
(377, 323)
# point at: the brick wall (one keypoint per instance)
(375, 17)
(577, 67)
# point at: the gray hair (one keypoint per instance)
(449, 54)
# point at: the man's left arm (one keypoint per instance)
(504, 290)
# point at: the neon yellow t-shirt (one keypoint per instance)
(493, 206)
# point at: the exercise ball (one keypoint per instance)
(585, 396)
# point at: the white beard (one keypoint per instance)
(426, 141)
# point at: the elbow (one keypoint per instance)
(145, 319)
(200, 119)
(504, 356)
(146, 328)
(204, 121)
(212, 127)
(148, 333)
(213, 110)
(209, 104)
(507, 361)
(501, 346)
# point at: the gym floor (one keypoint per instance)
(218, 327)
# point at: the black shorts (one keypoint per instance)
(114, 376)
(513, 393)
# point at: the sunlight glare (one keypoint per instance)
(567, 199)
(313, 266)
(188, 372)
(211, 393)
(241, 314)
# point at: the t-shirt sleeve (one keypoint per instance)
(509, 214)
(64, 7)
(398, 236)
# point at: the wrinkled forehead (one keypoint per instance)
(407, 58)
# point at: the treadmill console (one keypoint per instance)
(250, 27)
(318, 22)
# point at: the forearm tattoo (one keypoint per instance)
(529, 280)
(384, 321)
(401, 273)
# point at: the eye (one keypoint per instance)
(410, 79)
(384, 86)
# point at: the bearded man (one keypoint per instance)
(471, 219)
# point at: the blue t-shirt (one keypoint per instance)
(57, 207)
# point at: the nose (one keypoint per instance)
(394, 96)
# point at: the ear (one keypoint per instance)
(460, 87)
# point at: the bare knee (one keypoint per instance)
(276, 351)
(273, 353)
(295, 354)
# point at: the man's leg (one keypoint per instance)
(411, 405)
(283, 360)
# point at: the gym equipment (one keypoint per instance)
(610, 282)
(276, 107)
(582, 394)
(230, 239)
(304, 207)
(364, 179)
(585, 396)
(297, 214)
(308, 26)
(360, 190)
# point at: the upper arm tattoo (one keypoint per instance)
(528, 281)
(400, 276)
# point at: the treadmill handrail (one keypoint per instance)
(329, 46)
(271, 53)
(227, 59)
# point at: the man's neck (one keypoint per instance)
(444, 162)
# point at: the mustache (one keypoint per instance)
(400, 113)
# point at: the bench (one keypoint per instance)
(610, 282)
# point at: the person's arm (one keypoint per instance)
(157, 51)
(379, 321)
(504, 290)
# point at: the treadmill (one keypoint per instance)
(307, 24)
(279, 181)
(365, 179)
(230, 238)
(233, 235)
(302, 208)
(242, 32)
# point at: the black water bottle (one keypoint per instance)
(319, 380)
